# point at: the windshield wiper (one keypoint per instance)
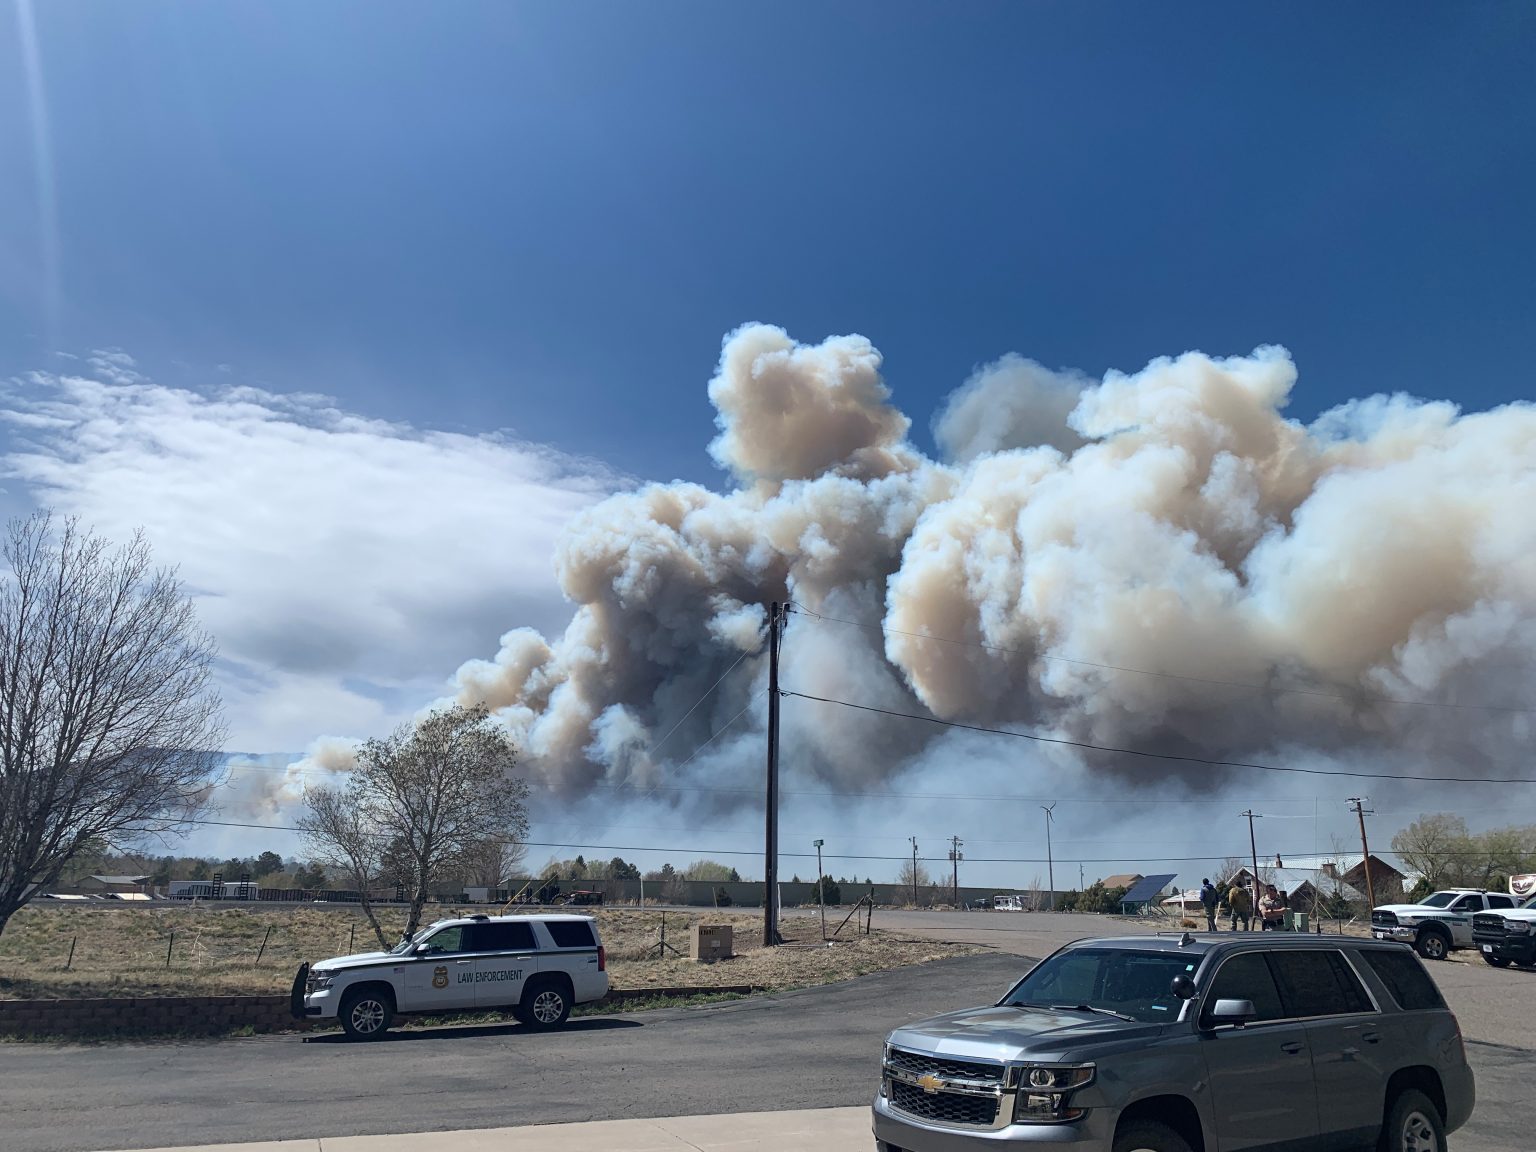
(1092, 1008)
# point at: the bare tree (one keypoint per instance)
(109, 724)
(431, 794)
(912, 877)
(494, 862)
(342, 835)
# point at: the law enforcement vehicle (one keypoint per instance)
(1507, 937)
(534, 967)
(1172, 1043)
(1438, 924)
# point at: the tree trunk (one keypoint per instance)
(418, 902)
(373, 920)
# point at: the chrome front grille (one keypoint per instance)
(1488, 924)
(920, 1064)
(1384, 919)
(945, 1107)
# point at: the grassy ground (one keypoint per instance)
(199, 950)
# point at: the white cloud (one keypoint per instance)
(344, 564)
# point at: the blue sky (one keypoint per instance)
(508, 214)
(541, 220)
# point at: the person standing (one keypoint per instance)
(1209, 898)
(1241, 904)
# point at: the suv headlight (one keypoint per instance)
(1517, 927)
(319, 980)
(1044, 1090)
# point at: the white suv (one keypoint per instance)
(535, 967)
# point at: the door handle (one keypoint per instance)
(1372, 1037)
(1291, 1046)
(522, 957)
(1351, 1052)
(463, 961)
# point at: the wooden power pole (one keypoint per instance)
(771, 829)
(954, 868)
(1365, 851)
(1254, 848)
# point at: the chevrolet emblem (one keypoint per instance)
(929, 1084)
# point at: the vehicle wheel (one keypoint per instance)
(1413, 1125)
(1497, 961)
(366, 1014)
(1149, 1136)
(1432, 945)
(519, 1013)
(547, 1004)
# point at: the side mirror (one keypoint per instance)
(1183, 987)
(1237, 1012)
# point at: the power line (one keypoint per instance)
(1348, 697)
(1208, 761)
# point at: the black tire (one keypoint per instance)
(547, 1004)
(1149, 1136)
(366, 1013)
(1496, 961)
(1413, 1124)
(1433, 944)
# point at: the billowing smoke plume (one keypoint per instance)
(1158, 560)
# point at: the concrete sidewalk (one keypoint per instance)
(818, 1130)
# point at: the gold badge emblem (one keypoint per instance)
(929, 1084)
(440, 977)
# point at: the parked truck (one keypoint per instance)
(1438, 924)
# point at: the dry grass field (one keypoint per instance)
(202, 950)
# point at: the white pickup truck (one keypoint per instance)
(1439, 923)
(535, 967)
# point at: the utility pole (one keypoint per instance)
(1365, 851)
(1050, 866)
(1253, 847)
(954, 866)
(821, 890)
(914, 870)
(771, 837)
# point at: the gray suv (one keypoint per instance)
(1188, 1043)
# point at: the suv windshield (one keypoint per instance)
(1121, 981)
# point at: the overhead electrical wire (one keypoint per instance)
(1187, 759)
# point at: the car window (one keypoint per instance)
(447, 940)
(1497, 901)
(509, 937)
(571, 933)
(1318, 983)
(1438, 900)
(1131, 982)
(1245, 976)
(1403, 974)
(1467, 904)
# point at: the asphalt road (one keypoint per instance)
(814, 1048)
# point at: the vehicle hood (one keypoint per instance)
(1417, 910)
(356, 960)
(1007, 1033)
